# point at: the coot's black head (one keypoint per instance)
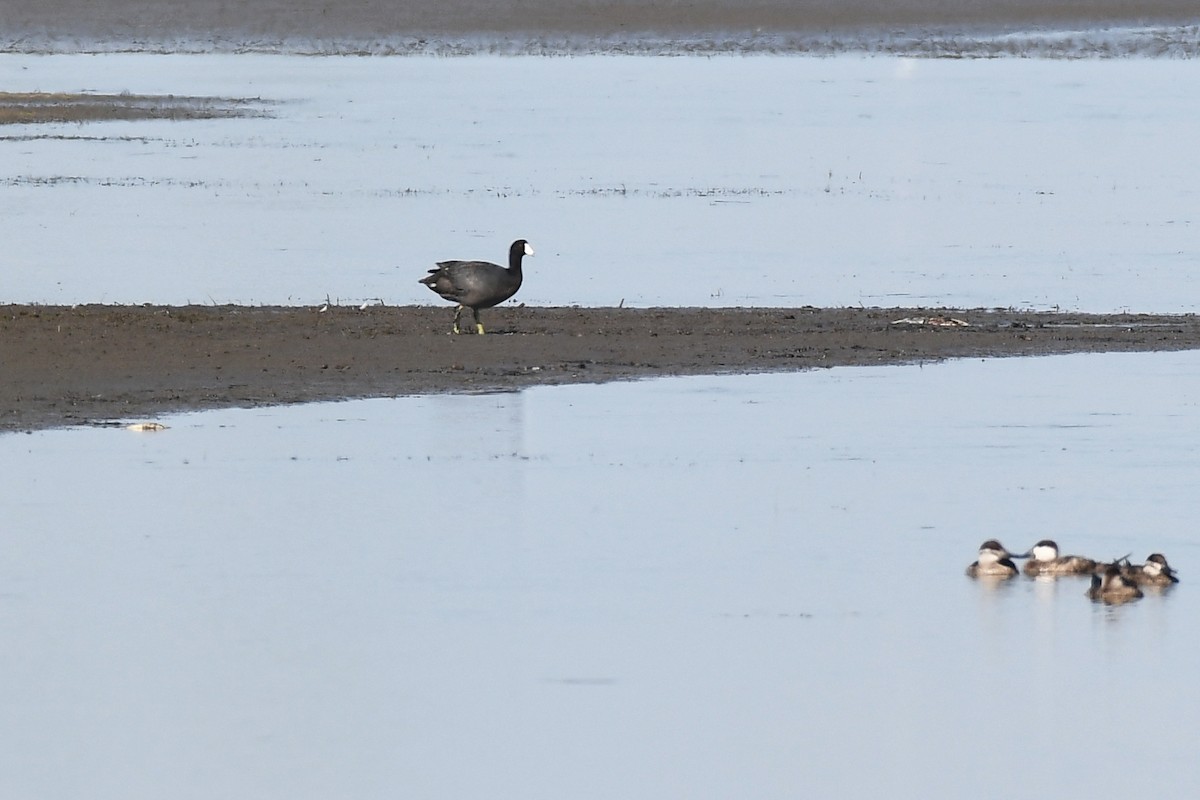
(520, 248)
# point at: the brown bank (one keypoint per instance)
(140, 22)
(92, 364)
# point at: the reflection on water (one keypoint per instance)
(686, 577)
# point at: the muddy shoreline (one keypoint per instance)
(366, 20)
(920, 27)
(94, 364)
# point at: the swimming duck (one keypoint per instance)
(1113, 587)
(994, 561)
(478, 284)
(1045, 560)
(1155, 572)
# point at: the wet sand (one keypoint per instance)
(93, 364)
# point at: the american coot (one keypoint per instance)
(478, 284)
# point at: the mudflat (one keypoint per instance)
(94, 364)
(140, 24)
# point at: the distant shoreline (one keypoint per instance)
(1076, 28)
(86, 365)
(1181, 42)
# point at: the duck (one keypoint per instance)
(478, 284)
(1045, 560)
(994, 561)
(1112, 587)
(1155, 572)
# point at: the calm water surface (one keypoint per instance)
(705, 587)
(764, 181)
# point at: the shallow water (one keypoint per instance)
(769, 181)
(702, 587)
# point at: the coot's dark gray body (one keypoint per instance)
(478, 284)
